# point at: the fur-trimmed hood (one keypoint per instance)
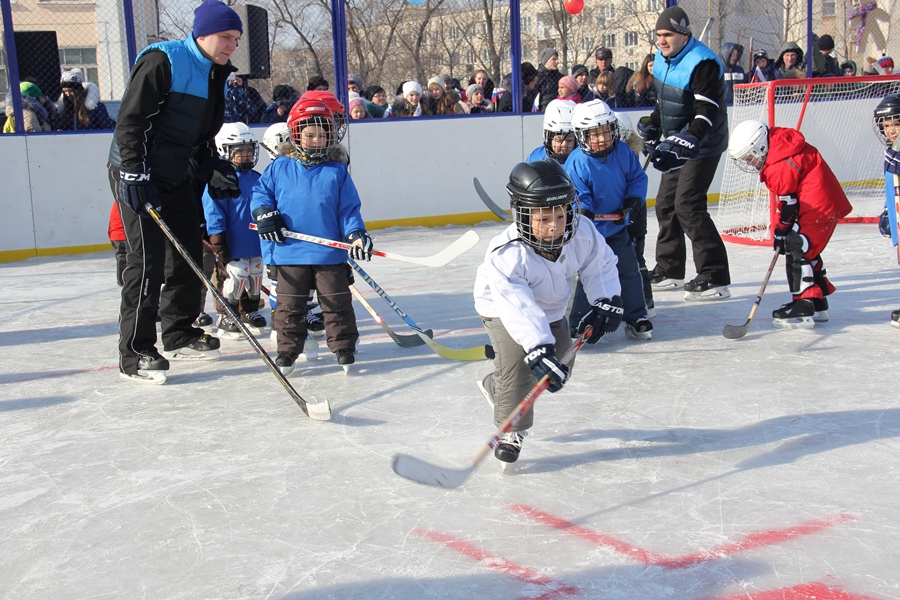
(91, 98)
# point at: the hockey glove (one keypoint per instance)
(787, 210)
(629, 205)
(587, 212)
(884, 223)
(892, 160)
(136, 191)
(223, 183)
(788, 241)
(649, 133)
(671, 153)
(604, 317)
(542, 361)
(362, 245)
(269, 224)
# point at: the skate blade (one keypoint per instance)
(316, 334)
(719, 293)
(507, 468)
(484, 392)
(310, 356)
(146, 377)
(668, 284)
(794, 323)
(821, 316)
(230, 335)
(286, 370)
(895, 324)
(193, 355)
(632, 334)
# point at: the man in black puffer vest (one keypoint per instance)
(168, 119)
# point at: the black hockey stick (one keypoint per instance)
(314, 409)
(505, 216)
(420, 471)
(735, 332)
(404, 341)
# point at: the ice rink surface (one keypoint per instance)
(686, 467)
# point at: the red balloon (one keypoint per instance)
(573, 7)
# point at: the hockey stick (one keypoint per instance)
(735, 332)
(420, 471)
(314, 409)
(505, 216)
(475, 353)
(465, 243)
(404, 341)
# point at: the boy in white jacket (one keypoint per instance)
(523, 287)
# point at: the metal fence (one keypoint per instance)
(382, 43)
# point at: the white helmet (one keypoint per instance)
(750, 139)
(276, 135)
(595, 117)
(233, 136)
(626, 126)
(558, 121)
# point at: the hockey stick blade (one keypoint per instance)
(404, 341)
(426, 473)
(736, 332)
(474, 353)
(318, 410)
(495, 208)
(465, 243)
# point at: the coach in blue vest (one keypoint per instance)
(164, 141)
(690, 119)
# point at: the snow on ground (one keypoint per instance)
(687, 467)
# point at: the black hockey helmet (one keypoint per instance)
(887, 111)
(538, 185)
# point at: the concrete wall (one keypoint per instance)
(55, 197)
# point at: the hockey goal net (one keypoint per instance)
(834, 114)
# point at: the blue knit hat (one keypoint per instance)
(212, 17)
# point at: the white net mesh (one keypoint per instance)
(836, 119)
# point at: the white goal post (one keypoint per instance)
(834, 114)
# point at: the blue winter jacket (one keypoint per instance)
(320, 200)
(233, 217)
(603, 183)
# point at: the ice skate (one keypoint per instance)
(698, 290)
(228, 329)
(895, 319)
(285, 362)
(255, 322)
(315, 325)
(206, 347)
(345, 358)
(821, 307)
(639, 329)
(310, 349)
(203, 321)
(796, 314)
(658, 281)
(151, 368)
(509, 446)
(486, 387)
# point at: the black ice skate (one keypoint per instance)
(285, 362)
(345, 358)
(796, 314)
(204, 320)
(821, 307)
(255, 322)
(315, 325)
(206, 347)
(486, 387)
(701, 289)
(660, 281)
(228, 329)
(151, 368)
(509, 446)
(639, 329)
(895, 319)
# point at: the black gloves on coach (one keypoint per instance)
(223, 183)
(362, 245)
(542, 361)
(136, 191)
(649, 133)
(269, 224)
(604, 317)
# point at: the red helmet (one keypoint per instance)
(306, 112)
(331, 101)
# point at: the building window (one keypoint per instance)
(631, 38)
(83, 59)
(632, 65)
(608, 40)
(630, 7)
(526, 24)
(828, 8)
(471, 56)
(655, 6)
(587, 43)
(609, 11)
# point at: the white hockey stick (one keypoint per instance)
(420, 471)
(465, 243)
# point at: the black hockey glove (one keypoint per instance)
(542, 361)
(136, 191)
(629, 205)
(269, 224)
(671, 153)
(892, 160)
(362, 245)
(787, 210)
(649, 133)
(604, 317)
(884, 223)
(788, 241)
(587, 212)
(223, 183)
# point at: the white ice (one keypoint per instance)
(686, 467)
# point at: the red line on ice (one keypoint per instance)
(807, 591)
(750, 541)
(498, 563)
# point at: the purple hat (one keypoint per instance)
(212, 17)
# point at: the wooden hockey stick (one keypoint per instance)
(420, 471)
(474, 353)
(734, 332)
(404, 341)
(314, 408)
(465, 243)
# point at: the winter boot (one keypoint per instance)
(639, 329)
(798, 313)
(702, 289)
(206, 347)
(509, 446)
(151, 368)
(285, 362)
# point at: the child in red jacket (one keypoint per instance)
(811, 201)
(116, 234)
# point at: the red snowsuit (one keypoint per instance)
(795, 168)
